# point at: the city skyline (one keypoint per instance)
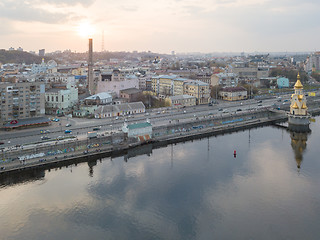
(164, 26)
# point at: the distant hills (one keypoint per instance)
(14, 56)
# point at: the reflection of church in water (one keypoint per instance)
(299, 121)
(299, 145)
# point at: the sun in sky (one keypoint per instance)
(85, 29)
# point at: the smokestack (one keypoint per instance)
(90, 70)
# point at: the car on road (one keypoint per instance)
(44, 131)
(68, 131)
(184, 111)
(55, 120)
(1, 143)
(96, 128)
(259, 104)
(45, 138)
(220, 109)
(239, 109)
(68, 125)
(117, 118)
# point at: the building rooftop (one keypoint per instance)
(102, 95)
(178, 97)
(26, 122)
(131, 90)
(234, 89)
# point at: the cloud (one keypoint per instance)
(47, 11)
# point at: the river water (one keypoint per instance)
(191, 190)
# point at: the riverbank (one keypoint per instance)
(76, 151)
(83, 150)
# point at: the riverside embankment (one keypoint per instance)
(66, 152)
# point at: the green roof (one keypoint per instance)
(139, 125)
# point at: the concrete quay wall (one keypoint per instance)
(117, 144)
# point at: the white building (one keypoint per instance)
(142, 131)
(124, 109)
(59, 100)
(50, 67)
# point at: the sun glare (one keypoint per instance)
(85, 29)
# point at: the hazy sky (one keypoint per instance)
(161, 26)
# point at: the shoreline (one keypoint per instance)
(122, 148)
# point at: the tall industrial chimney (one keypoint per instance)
(91, 85)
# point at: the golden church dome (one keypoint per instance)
(298, 84)
(304, 106)
(295, 105)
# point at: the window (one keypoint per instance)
(62, 98)
(56, 98)
(48, 98)
(52, 99)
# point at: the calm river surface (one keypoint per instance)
(191, 190)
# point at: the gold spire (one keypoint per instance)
(298, 84)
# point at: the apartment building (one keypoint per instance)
(224, 79)
(233, 93)
(21, 100)
(167, 85)
(182, 101)
(312, 63)
(197, 89)
(247, 72)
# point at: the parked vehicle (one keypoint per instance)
(96, 128)
(68, 125)
(92, 134)
(45, 138)
(68, 131)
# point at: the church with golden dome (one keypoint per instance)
(298, 118)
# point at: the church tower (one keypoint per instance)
(298, 117)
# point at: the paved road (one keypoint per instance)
(80, 127)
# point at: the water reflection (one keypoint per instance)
(21, 177)
(299, 145)
(191, 190)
